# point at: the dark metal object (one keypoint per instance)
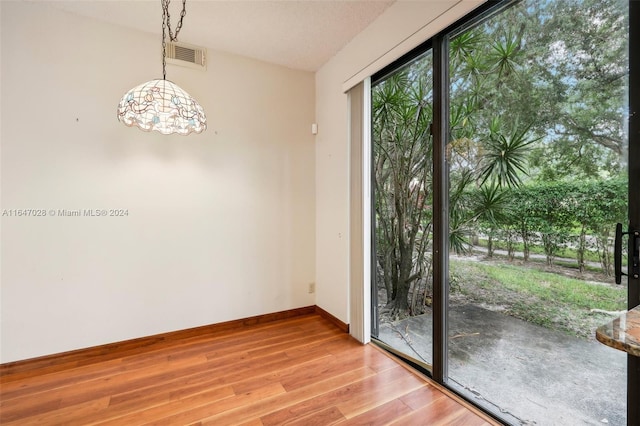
(634, 251)
(166, 26)
(617, 254)
(633, 362)
(375, 319)
(440, 131)
(167, 16)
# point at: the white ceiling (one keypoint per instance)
(299, 34)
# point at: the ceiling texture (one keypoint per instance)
(299, 34)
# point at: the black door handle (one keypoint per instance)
(617, 254)
(634, 256)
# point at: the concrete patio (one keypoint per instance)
(534, 374)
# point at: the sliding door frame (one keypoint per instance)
(633, 362)
(439, 129)
(440, 207)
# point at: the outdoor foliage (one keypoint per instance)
(536, 142)
(401, 115)
(557, 215)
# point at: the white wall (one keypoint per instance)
(403, 26)
(220, 225)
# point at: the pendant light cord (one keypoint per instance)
(166, 25)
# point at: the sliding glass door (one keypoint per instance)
(501, 163)
(538, 179)
(402, 111)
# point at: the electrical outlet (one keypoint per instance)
(312, 287)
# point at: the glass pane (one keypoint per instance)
(402, 150)
(538, 179)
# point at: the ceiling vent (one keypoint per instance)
(186, 55)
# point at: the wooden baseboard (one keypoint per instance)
(326, 315)
(61, 361)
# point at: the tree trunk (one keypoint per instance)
(548, 248)
(401, 302)
(386, 274)
(525, 244)
(490, 246)
(414, 297)
(605, 255)
(582, 242)
(511, 245)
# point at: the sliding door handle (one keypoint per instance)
(617, 254)
(634, 265)
(635, 256)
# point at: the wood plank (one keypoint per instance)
(172, 408)
(191, 409)
(328, 416)
(422, 397)
(441, 412)
(382, 414)
(353, 390)
(66, 415)
(377, 395)
(288, 401)
(28, 409)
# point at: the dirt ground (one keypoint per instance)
(554, 316)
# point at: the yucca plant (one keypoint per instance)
(505, 157)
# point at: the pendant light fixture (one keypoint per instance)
(160, 104)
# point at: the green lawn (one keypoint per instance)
(547, 299)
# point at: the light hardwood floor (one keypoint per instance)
(298, 371)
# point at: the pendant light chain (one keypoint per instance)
(164, 43)
(165, 6)
(166, 25)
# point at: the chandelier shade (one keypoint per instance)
(162, 106)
